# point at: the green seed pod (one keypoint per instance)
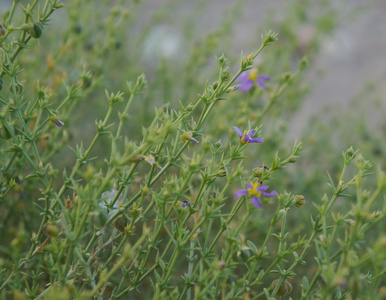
(285, 288)
(4, 133)
(51, 229)
(120, 224)
(18, 87)
(37, 30)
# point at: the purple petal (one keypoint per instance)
(264, 77)
(243, 76)
(256, 201)
(251, 133)
(239, 132)
(240, 193)
(261, 83)
(248, 185)
(263, 188)
(246, 85)
(257, 140)
(271, 194)
(192, 139)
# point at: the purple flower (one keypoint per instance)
(185, 203)
(255, 190)
(246, 136)
(248, 78)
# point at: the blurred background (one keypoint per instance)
(347, 62)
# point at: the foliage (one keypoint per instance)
(142, 204)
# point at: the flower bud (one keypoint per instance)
(2, 31)
(190, 107)
(225, 74)
(293, 158)
(188, 136)
(285, 77)
(299, 200)
(137, 158)
(232, 88)
(221, 265)
(259, 171)
(303, 63)
(350, 151)
(221, 173)
(270, 38)
(250, 57)
(56, 121)
(222, 60)
(185, 203)
(324, 199)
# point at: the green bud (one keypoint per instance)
(293, 158)
(221, 173)
(259, 171)
(137, 158)
(222, 60)
(189, 107)
(350, 151)
(285, 77)
(221, 265)
(303, 63)
(299, 200)
(324, 199)
(269, 38)
(225, 74)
